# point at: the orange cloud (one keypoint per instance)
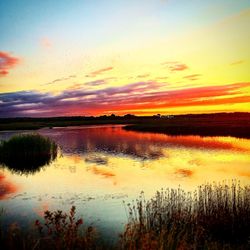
(134, 96)
(7, 62)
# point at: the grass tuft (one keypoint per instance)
(27, 153)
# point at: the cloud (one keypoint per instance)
(192, 77)
(7, 62)
(143, 76)
(46, 43)
(60, 79)
(99, 82)
(134, 96)
(237, 62)
(99, 72)
(175, 66)
(178, 67)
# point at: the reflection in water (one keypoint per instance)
(184, 172)
(113, 140)
(101, 166)
(6, 188)
(97, 160)
(104, 172)
(116, 140)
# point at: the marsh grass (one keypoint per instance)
(215, 216)
(27, 153)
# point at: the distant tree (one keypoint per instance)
(129, 116)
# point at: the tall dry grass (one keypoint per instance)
(214, 216)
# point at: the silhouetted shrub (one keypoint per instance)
(27, 153)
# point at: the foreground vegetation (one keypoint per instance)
(215, 216)
(26, 153)
(221, 124)
(212, 217)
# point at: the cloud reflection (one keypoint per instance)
(6, 188)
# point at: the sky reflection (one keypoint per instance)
(102, 166)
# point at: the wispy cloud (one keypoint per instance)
(192, 77)
(175, 66)
(99, 81)
(60, 80)
(99, 72)
(134, 96)
(237, 62)
(7, 62)
(143, 75)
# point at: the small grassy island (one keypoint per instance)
(27, 153)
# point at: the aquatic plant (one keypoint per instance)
(215, 216)
(27, 153)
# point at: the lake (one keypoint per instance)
(99, 167)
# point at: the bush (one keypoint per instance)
(27, 153)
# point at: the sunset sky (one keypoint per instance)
(95, 57)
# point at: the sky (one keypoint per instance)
(142, 57)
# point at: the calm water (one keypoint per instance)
(100, 166)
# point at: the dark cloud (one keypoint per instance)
(7, 62)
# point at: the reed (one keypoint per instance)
(26, 153)
(215, 216)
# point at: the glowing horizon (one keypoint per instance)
(138, 57)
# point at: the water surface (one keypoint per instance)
(100, 166)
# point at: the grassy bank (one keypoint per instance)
(236, 124)
(27, 153)
(215, 216)
(222, 124)
(37, 123)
